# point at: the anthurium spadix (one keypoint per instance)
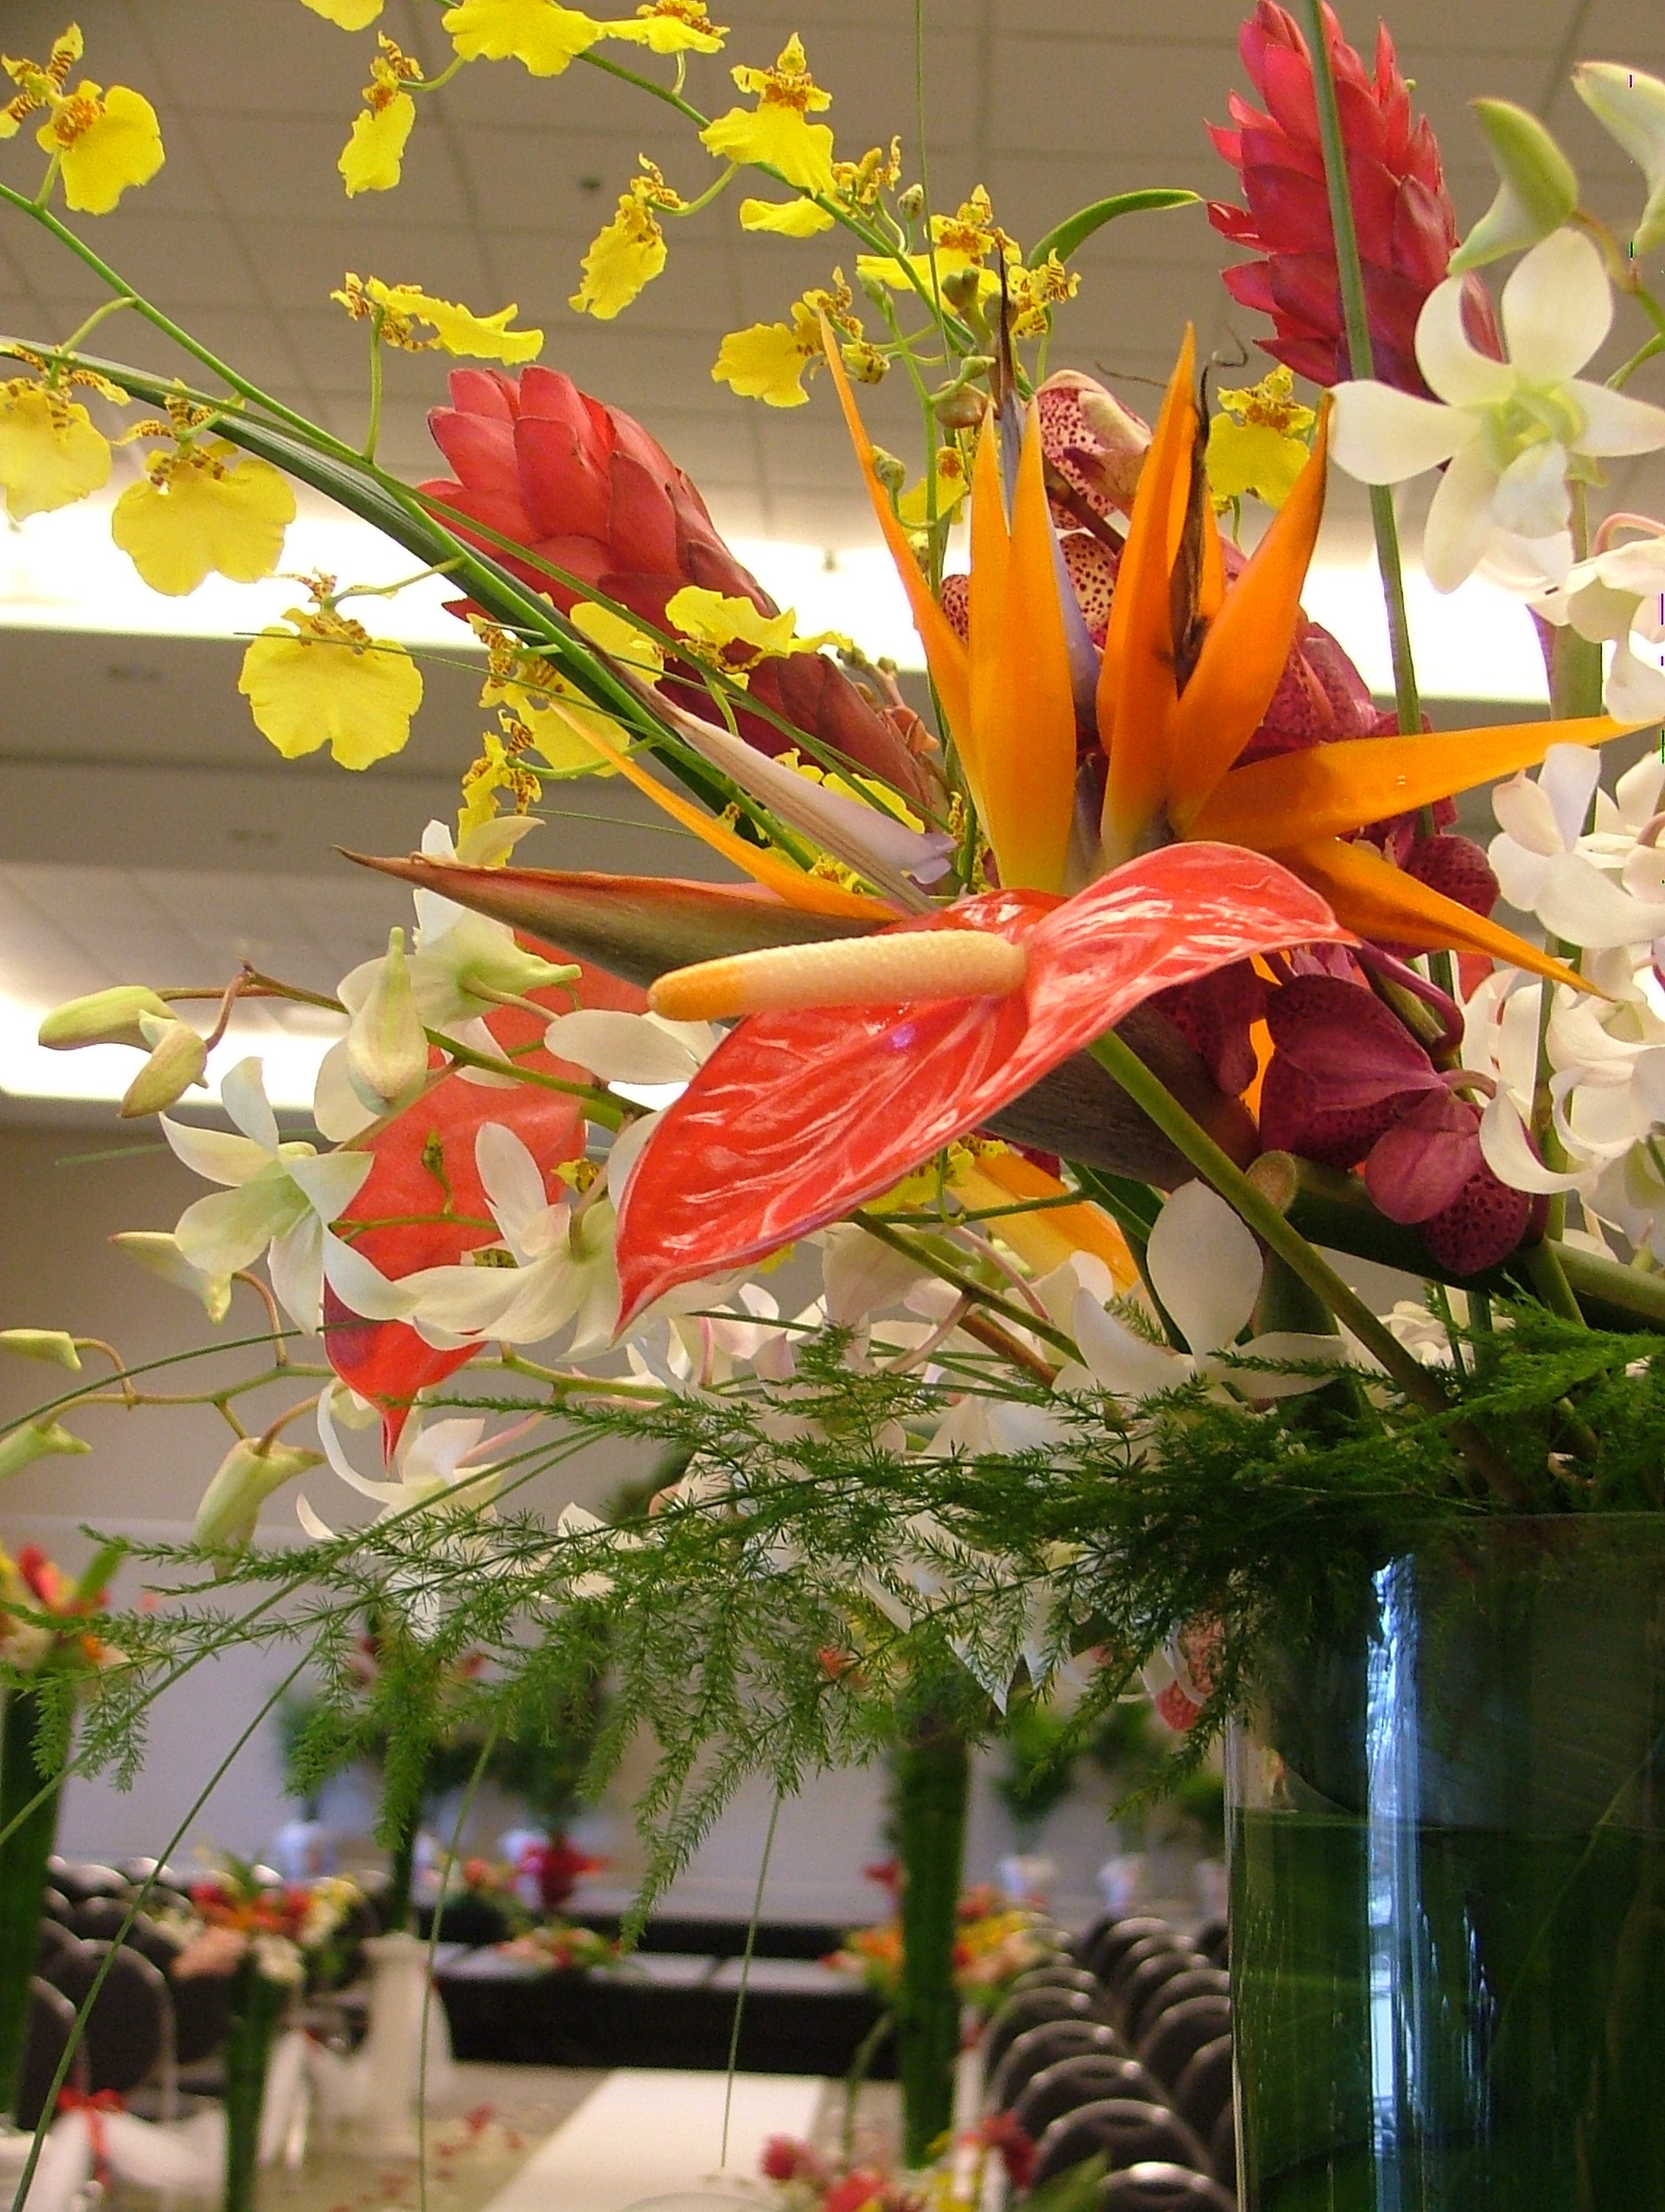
(762, 1146)
(1190, 664)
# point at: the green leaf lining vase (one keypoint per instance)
(1448, 1877)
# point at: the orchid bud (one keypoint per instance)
(41, 1344)
(1537, 187)
(963, 289)
(178, 1058)
(873, 285)
(1629, 106)
(35, 1440)
(491, 966)
(890, 472)
(386, 1045)
(910, 205)
(158, 1250)
(244, 1479)
(109, 1016)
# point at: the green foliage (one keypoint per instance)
(821, 1575)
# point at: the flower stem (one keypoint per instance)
(1257, 1211)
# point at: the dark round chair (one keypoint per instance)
(129, 2028)
(154, 1871)
(1134, 1991)
(1123, 2131)
(82, 1879)
(201, 2015)
(1213, 1939)
(55, 1906)
(50, 2029)
(1088, 2079)
(1222, 2149)
(1061, 1976)
(1203, 2091)
(1037, 2048)
(53, 1941)
(1198, 1981)
(1116, 1977)
(1155, 2187)
(1178, 2036)
(101, 1919)
(155, 1942)
(1118, 1937)
(1032, 2010)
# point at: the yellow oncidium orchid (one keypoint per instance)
(1190, 669)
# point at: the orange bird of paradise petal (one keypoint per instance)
(1171, 745)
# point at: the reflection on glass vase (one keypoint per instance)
(1447, 1878)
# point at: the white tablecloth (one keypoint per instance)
(645, 2134)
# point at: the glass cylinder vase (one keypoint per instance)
(1448, 1883)
(256, 2007)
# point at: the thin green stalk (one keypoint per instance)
(933, 1786)
(967, 1286)
(373, 428)
(747, 1956)
(1252, 1206)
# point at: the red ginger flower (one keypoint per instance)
(584, 487)
(1407, 227)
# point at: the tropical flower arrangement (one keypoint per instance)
(287, 1936)
(1073, 1043)
(994, 1942)
(561, 1947)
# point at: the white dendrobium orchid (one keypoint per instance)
(280, 1195)
(1513, 431)
(1613, 599)
(562, 1269)
(643, 1057)
(1205, 1268)
(463, 965)
(1545, 865)
(433, 1463)
(1630, 105)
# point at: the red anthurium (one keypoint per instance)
(424, 1193)
(798, 1117)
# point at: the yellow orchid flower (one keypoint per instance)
(350, 14)
(776, 134)
(1190, 665)
(734, 635)
(398, 309)
(201, 509)
(541, 34)
(953, 482)
(671, 27)
(630, 252)
(766, 362)
(51, 454)
(1258, 442)
(103, 142)
(960, 241)
(786, 218)
(373, 159)
(327, 680)
(619, 638)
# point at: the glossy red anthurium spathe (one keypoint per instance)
(798, 1117)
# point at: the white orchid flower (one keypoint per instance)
(562, 1267)
(433, 1462)
(1512, 430)
(1206, 1269)
(281, 1195)
(1616, 598)
(1546, 866)
(1630, 105)
(643, 1057)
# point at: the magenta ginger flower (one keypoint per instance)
(1408, 227)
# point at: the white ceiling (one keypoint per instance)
(144, 829)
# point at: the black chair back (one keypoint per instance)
(202, 2011)
(101, 1919)
(1155, 2186)
(1119, 1936)
(51, 2026)
(1197, 1981)
(1089, 2079)
(1222, 2148)
(1136, 1986)
(56, 1906)
(1178, 2036)
(79, 1879)
(130, 2028)
(1043, 2046)
(1060, 1976)
(53, 1941)
(1124, 2131)
(1213, 1939)
(1205, 2088)
(1032, 2010)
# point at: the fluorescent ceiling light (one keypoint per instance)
(61, 571)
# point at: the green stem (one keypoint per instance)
(373, 428)
(1252, 1206)
(257, 2006)
(967, 1285)
(28, 1819)
(932, 1784)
